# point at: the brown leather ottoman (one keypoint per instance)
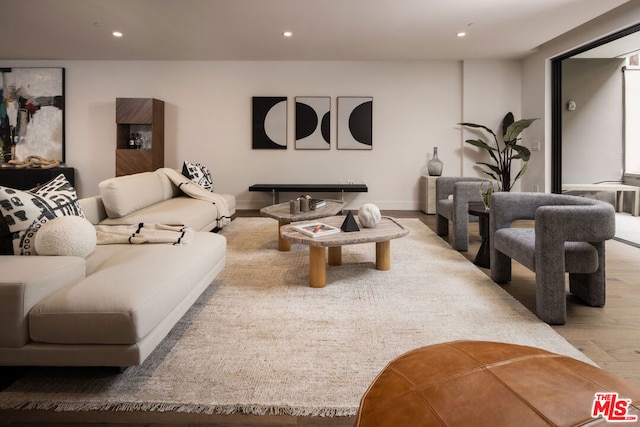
(479, 383)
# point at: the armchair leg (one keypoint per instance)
(551, 299)
(442, 225)
(590, 288)
(500, 267)
(460, 235)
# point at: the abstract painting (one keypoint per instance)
(32, 112)
(270, 122)
(355, 123)
(313, 122)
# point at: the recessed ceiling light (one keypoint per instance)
(461, 34)
(117, 34)
(287, 34)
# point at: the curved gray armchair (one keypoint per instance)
(464, 190)
(568, 236)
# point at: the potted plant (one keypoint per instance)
(503, 153)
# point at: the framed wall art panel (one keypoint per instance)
(32, 112)
(355, 123)
(313, 122)
(270, 122)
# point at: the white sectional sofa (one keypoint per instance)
(115, 306)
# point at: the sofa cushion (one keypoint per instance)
(184, 210)
(123, 195)
(197, 214)
(26, 211)
(93, 209)
(128, 290)
(25, 281)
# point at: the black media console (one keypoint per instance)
(275, 189)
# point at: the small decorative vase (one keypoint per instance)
(485, 191)
(304, 204)
(434, 166)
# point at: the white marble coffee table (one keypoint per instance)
(388, 228)
(284, 216)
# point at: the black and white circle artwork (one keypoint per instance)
(313, 123)
(355, 123)
(270, 122)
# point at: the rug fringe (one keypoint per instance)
(183, 408)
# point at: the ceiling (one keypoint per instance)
(359, 30)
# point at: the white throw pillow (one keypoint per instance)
(66, 235)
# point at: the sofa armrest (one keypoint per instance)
(27, 280)
(446, 184)
(93, 209)
(575, 223)
(465, 192)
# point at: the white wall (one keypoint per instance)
(416, 106)
(491, 90)
(536, 87)
(592, 134)
(631, 124)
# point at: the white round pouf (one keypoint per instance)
(369, 215)
(66, 235)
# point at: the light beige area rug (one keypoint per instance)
(261, 341)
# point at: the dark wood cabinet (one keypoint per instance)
(143, 117)
(28, 178)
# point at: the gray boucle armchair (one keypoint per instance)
(464, 190)
(569, 235)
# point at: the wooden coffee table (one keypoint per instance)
(388, 228)
(284, 216)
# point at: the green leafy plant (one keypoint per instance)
(486, 190)
(503, 150)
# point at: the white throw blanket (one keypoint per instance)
(192, 189)
(143, 233)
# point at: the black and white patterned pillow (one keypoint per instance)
(6, 247)
(198, 174)
(24, 212)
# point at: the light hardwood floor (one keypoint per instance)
(610, 336)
